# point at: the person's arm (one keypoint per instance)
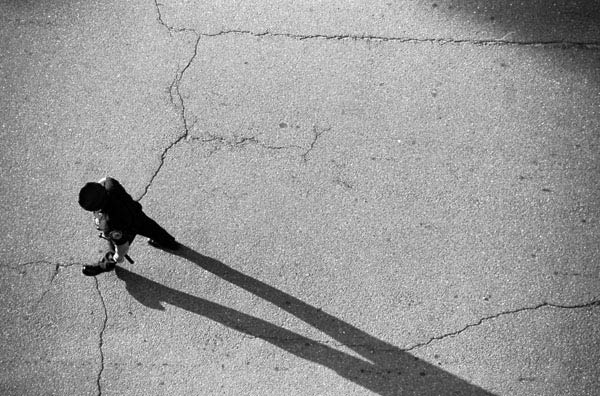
(116, 189)
(121, 240)
(121, 252)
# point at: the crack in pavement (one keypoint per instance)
(243, 141)
(159, 17)
(175, 96)
(316, 135)
(101, 339)
(367, 37)
(177, 101)
(47, 290)
(224, 142)
(37, 262)
(594, 302)
(53, 275)
(441, 41)
(293, 340)
(161, 21)
(240, 142)
(409, 40)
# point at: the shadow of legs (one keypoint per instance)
(384, 369)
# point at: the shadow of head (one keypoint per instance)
(382, 367)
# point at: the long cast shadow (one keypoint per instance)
(385, 369)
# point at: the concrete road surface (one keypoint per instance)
(374, 197)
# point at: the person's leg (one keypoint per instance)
(110, 246)
(158, 236)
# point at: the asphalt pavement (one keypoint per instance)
(373, 198)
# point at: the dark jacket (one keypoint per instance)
(122, 212)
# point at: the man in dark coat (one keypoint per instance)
(120, 219)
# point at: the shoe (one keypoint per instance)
(105, 265)
(174, 245)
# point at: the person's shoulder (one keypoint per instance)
(109, 183)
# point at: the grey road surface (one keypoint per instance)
(374, 197)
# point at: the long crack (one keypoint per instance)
(176, 100)
(366, 37)
(495, 316)
(101, 340)
(374, 348)
(441, 41)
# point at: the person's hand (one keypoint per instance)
(118, 258)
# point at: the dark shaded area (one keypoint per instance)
(386, 369)
(534, 21)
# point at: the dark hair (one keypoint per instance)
(92, 196)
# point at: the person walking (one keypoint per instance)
(119, 218)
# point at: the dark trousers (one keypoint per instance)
(149, 228)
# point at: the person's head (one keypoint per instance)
(92, 196)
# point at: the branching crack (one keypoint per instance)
(492, 317)
(178, 102)
(316, 135)
(169, 28)
(101, 339)
(368, 37)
